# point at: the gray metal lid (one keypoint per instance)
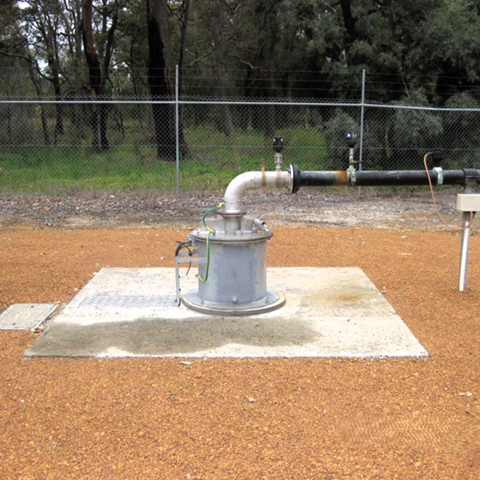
(240, 236)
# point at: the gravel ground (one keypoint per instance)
(246, 419)
(127, 208)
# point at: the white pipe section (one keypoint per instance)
(248, 180)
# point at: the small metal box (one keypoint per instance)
(468, 202)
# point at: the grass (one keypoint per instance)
(215, 159)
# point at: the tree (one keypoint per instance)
(43, 19)
(217, 22)
(335, 131)
(183, 21)
(16, 46)
(160, 77)
(98, 67)
(71, 16)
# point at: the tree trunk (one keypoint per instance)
(79, 110)
(225, 122)
(98, 75)
(9, 124)
(95, 74)
(226, 125)
(32, 70)
(270, 113)
(348, 20)
(99, 127)
(103, 113)
(57, 86)
(246, 117)
(117, 114)
(159, 77)
(184, 150)
(38, 89)
(59, 107)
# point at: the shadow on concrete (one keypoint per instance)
(157, 337)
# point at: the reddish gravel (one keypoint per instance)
(311, 418)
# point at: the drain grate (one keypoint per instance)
(129, 301)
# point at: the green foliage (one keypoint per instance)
(397, 139)
(231, 47)
(413, 129)
(415, 52)
(335, 134)
(212, 165)
(448, 42)
(461, 129)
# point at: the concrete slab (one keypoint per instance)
(26, 316)
(330, 312)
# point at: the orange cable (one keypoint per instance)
(453, 229)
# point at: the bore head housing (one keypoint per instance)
(237, 270)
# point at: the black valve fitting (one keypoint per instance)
(277, 144)
(351, 139)
(437, 158)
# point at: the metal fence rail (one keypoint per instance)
(185, 144)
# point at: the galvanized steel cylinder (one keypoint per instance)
(237, 273)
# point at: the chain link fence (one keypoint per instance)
(194, 145)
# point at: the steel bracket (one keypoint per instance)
(439, 172)
(184, 257)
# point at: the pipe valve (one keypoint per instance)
(261, 224)
(437, 158)
(278, 144)
(278, 156)
(351, 142)
(351, 139)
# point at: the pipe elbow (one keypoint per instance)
(237, 188)
(248, 180)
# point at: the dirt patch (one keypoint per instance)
(407, 209)
(246, 419)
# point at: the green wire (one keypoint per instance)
(210, 210)
(210, 231)
(202, 279)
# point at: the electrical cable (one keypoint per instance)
(453, 229)
(190, 263)
(207, 267)
(210, 231)
(181, 246)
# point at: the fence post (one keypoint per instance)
(177, 139)
(362, 116)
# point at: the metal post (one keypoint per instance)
(362, 114)
(466, 222)
(177, 134)
(177, 282)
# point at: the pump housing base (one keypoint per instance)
(271, 302)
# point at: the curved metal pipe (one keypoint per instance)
(248, 180)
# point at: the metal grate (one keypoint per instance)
(129, 301)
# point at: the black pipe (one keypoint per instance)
(408, 177)
(315, 179)
(381, 178)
